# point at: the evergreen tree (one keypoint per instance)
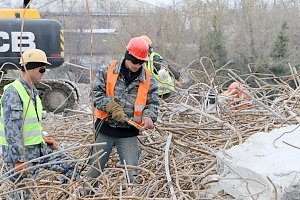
(213, 46)
(279, 52)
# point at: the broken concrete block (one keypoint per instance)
(266, 166)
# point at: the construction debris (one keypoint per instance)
(188, 134)
(265, 166)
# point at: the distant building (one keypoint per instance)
(104, 14)
(105, 18)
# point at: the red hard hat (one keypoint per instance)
(146, 39)
(233, 85)
(138, 48)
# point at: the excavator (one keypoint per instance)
(28, 30)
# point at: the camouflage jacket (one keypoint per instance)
(13, 119)
(125, 95)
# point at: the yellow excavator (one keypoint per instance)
(45, 34)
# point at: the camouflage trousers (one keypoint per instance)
(57, 162)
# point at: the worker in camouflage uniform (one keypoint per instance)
(124, 91)
(21, 125)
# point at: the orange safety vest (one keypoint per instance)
(141, 97)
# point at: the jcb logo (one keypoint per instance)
(13, 41)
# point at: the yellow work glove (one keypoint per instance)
(116, 111)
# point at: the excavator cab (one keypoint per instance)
(22, 29)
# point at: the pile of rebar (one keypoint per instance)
(177, 157)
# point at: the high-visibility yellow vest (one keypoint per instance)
(32, 128)
(164, 85)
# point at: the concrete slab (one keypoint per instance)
(264, 167)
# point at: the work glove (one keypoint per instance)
(22, 166)
(163, 74)
(116, 111)
(51, 141)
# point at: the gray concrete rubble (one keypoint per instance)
(266, 166)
